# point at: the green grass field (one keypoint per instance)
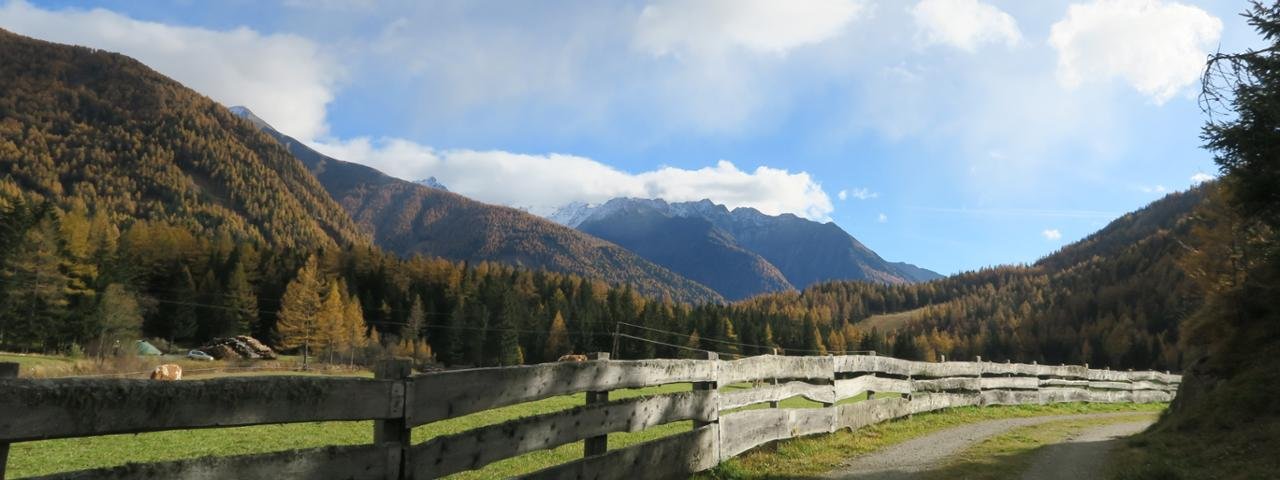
(52, 456)
(28, 361)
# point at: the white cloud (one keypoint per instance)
(1051, 234)
(964, 24)
(669, 27)
(864, 194)
(1153, 189)
(286, 79)
(542, 183)
(882, 218)
(843, 195)
(1155, 46)
(1200, 177)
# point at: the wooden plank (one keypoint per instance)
(1020, 383)
(731, 399)
(372, 462)
(971, 384)
(861, 414)
(1064, 395)
(1010, 397)
(1058, 382)
(1077, 372)
(1110, 385)
(852, 387)
(1108, 375)
(763, 367)
(672, 457)
(479, 447)
(37, 409)
(1150, 385)
(742, 431)
(437, 396)
(875, 364)
(947, 369)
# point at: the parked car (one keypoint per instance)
(198, 355)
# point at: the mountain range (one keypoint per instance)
(740, 252)
(85, 123)
(411, 218)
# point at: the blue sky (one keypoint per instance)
(962, 133)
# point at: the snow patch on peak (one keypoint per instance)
(244, 112)
(572, 215)
(433, 183)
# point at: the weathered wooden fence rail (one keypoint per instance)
(38, 409)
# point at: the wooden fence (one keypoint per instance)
(37, 409)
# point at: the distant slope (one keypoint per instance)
(692, 247)
(741, 252)
(409, 218)
(79, 122)
(1116, 298)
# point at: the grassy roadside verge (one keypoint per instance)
(1009, 454)
(53, 456)
(819, 454)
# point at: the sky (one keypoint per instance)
(952, 134)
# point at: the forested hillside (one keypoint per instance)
(82, 125)
(1115, 298)
(411, 219)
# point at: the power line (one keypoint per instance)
(708, 339)
(741, 344)
(678, 346)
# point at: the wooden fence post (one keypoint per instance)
(7, 370)
(713, 356)
(597, 445)
(774, 404)
(396, 430)
(871, 394)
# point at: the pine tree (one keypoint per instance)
(36, 298)
(353, 323)
(507, 338)
(183, 323)
(330, 321)
(768, 341)
(240, 301)
(692, 346)
(455, 350)
(119, 319)
(557, 338)
(413, 324)
(478, 332)
(297, 321)
(835, 343)
(730, 336)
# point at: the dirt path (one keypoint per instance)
(1080, 456)
(908, 459)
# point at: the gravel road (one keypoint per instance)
(1079, 455)
(908, 459)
